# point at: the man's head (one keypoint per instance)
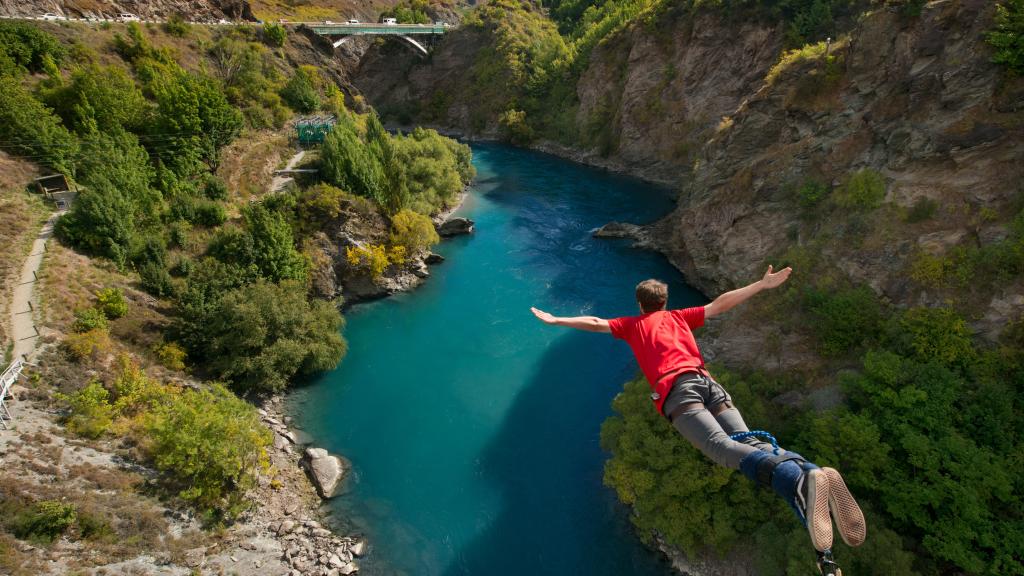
(652, 295)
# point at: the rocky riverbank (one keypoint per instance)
(284, 532)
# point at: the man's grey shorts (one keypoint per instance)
(691, 387)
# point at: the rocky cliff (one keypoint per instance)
(713, 105)
(193, 10)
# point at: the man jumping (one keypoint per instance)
(702, 411)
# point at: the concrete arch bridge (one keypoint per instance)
(338, 34)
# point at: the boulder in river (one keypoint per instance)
(433, 258)
(455, 226)
(325, 470)
(618, 230)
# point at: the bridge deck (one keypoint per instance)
(395, 29)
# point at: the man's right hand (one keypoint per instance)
(544, 316)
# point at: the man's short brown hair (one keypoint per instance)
(652, 295)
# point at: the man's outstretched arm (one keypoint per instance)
(730, 299)
(588, 323)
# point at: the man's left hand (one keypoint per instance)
(773, 279)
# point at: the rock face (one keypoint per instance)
(325, 470)
(659, 94)
(455, 227)
(193, 10)
(919, 102)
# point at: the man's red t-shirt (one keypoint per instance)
(663, 344)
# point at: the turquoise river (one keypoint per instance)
(472, 428)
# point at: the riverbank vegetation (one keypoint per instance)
(140, 123)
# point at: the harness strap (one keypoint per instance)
(766, 467)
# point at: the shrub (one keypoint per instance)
(171, 355)
(1007, 39)
(211, 445)
(134, 392)
(931, 271)
(923, 209)
(319, 204)
(90, 318)
(274, 34)
(45, 521)
(112, 303)
(811, 193)
(215, 188)
(372, 258)
(176, 26)
(87, 344)
(91, 413)
(156, 279)
(412, 231)
(864, 189)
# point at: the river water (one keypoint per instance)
(472, 428)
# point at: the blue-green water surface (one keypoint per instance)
(472, 428)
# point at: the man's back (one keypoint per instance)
(663, 343)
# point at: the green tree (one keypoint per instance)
(193, 117)
(117, 198)
(260, 336)
(1007, 38)
(300, 93)
(99, 98)
(30, 129)
(28, 47)
(346, 162)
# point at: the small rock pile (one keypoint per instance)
(312, 550)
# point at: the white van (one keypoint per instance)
(127, 17)
(390, 22)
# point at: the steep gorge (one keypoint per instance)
(883, 165)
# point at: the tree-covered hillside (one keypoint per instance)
(139, 118)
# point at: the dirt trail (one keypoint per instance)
(279, 181)
(24, 303)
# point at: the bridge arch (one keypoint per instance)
(420, 47)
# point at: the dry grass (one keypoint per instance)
(129, 524)
(69, 281)
(248, 163)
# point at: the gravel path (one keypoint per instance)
(24, 302)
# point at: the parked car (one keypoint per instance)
(52, 16)
(390, 21)
(223, 21)
(352, 21)
(328, 22)
(127, 17)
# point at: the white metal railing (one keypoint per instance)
(7, 379)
